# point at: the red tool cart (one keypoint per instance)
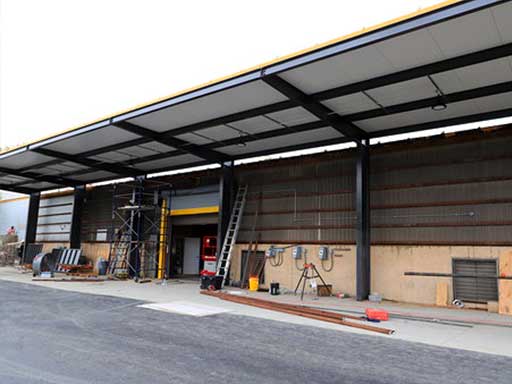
(209, 256)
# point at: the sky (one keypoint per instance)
(66, 63)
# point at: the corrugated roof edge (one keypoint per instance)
(281, 60)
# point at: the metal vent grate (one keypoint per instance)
(478, 289)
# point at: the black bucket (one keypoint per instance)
(212, 283)
(274, 289)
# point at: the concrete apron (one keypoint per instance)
(479, 338)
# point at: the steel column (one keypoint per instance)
(76, 220)
(363, 221)
(33, 212)
(226, 197)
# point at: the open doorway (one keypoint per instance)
(188, 247)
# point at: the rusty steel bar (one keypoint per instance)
(463, 275)
(265, 304)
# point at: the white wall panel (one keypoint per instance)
(14, 212)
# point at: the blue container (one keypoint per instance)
(102, 267)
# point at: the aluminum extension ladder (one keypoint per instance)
(231, 234)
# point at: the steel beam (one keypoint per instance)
(32, 215)
(15, 188)
(370, 37)
(245, 139)
(408, 74)
(194, 149)
(363, 221)
(178, 131)
(300, 128)
(343, 126)
(417, 72)
(234, 141)
(449, 98)
(227, 190)
(108, 167)
(59, 180)
(76, 220)
(444, 123)
(247, 114)
(291, 148)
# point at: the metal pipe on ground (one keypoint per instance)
(404, 317)
(294, 310)
(293, 307)
(430, 319)
(436, 274)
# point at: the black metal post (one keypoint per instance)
(33, 212)
(76, 220)
(363, 221)
(226, 199)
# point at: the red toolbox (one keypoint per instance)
(209, 252)
(377, 314)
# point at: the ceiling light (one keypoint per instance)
(440, 105)
(241, 142)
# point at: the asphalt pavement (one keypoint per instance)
(56, 336)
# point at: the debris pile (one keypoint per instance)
(9, 247)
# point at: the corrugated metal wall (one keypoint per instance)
(443, 190)
(98, 223)
(54, 219)
(97, 215)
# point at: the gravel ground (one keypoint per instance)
(55, 336)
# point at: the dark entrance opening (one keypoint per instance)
(187, 248)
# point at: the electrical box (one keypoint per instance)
(297, 252)
(323, 253)
(271, 252)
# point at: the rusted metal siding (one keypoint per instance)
(443, 190)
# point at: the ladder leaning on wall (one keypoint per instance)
(231, 233)
(119, 252)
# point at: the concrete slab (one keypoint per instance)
(186, 308)
(479, 338)
(63, 337)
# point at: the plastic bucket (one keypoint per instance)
(254, 283)
(102, 265)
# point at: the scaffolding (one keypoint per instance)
(136, 231)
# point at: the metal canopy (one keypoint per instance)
(447, 65)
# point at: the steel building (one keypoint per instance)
(419, 205)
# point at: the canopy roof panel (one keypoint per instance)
(450, 64)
